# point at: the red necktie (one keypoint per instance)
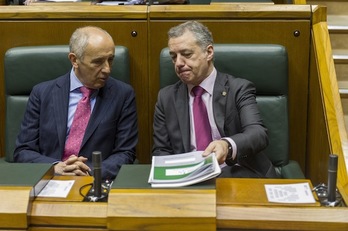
(201, 120)
(79, 124)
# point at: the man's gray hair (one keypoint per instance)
(80, 38)
(201, 33)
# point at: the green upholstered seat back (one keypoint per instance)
(28, 66)
(266, 65)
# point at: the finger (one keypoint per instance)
(68, 174)
(70, 168)
(80, 173)
(209, 149)
(82, 166)
(71, 159)
(82, 159)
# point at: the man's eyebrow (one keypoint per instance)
(103, 57)
(181, 51)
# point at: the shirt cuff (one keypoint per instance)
(234, 147)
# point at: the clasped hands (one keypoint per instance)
(73, 166)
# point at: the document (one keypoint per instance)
(57, 188)
(289, 193)
(182, 169)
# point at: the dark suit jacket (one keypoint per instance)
(236, 116)
(112, 128)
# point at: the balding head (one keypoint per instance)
(83, 36)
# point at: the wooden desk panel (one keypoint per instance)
(19, 184)
(242, 204)
(134, 205)
(168, 209)
(14, 207)
(252, 192)
(281, 218)
(162, 209)
(70, 212)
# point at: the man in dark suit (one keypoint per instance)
(235, 126)
(112, 127)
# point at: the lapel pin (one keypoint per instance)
(224, 93)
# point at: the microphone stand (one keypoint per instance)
(330, 197)
(99, 191)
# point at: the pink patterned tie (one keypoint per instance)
(79, 124)
(200, 116)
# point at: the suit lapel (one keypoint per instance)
(220, 94)
(182, 110)
(60, 95)
(102, 106)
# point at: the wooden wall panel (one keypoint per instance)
(328, 95)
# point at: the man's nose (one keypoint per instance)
(107, 67)
(179, 61)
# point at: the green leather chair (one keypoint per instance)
(266, 65)
(28, 66)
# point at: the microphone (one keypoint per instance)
(328, 195)
(332, 178)
(99, 190)
(96, 159)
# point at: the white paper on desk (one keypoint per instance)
(289, 193)
(57, 188)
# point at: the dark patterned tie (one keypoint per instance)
(79, 124)
(201, 120)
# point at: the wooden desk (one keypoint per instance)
(233, 204)
(242, 204)
(69, 213)
(14, 207)
(134, 205)
(19, 184)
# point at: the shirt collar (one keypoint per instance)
(75, 83)
(207, 83)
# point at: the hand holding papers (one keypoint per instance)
(183, 169)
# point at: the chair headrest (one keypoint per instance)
(266, 65)
(30, 65)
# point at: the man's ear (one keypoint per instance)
(210, 52)
(73, 60)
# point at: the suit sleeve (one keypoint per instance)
(251, 135)
(28, 141)
(162, 145)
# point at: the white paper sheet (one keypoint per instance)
(57, 188)
(289, 193)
